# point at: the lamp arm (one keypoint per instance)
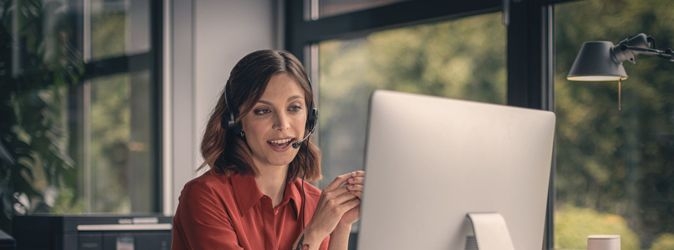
(640, 50)
(623, 52)
(665, 54)
(668, 54)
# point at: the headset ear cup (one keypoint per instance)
(312, 119)
(237, 130)
(224, 121)
(228, 121)
(229, 124)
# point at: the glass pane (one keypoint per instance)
(614, 167)
(68, 147)
(117, 171)
(335, 7)
(119, 27)
(461, 59)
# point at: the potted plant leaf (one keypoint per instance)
(37, 59)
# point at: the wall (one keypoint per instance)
(203, 41)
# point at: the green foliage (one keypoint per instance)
(110, 109)
(67, 202)
(573, 225)
(617, 163)
(443, 59)
(36, 60)
(663, 242)
(610, 160)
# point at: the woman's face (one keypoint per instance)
(275, 122)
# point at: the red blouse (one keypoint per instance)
(228, 211)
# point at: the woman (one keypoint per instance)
(255, 194)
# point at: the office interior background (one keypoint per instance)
(103, 102)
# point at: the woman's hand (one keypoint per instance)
(355, 186)
(338, 205)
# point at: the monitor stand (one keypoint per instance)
(489, 232)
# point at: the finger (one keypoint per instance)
(351, 204)
(358, 194)
(335, 202)
(345, 206)
(331, 194)
(338, 181)
(343, 198)
(354, 187)
(358, 173)
(355, 180)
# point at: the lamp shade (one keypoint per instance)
(594, 62)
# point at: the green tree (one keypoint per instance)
(442, 59)
(610, 160)
(663, 242)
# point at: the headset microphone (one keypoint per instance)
(311, 125)
(297, 144)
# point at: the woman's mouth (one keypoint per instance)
(280, 144)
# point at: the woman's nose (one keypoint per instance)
(281, 121)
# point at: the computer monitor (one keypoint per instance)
(430, 161)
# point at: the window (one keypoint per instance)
(117, 111)
(614, 167)
(446, 58)
(81, 129)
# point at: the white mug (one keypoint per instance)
(603, 242)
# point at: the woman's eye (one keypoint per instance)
(295, 108)
(261, 111)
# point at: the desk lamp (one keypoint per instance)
(602, 61)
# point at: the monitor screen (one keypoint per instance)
(430, 161)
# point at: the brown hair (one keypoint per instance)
(222, 147)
